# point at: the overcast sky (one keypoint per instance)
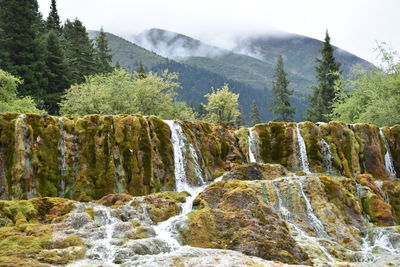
(354, 25)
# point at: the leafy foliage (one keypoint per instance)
(8, 96)
(222, 105)
(372, 96)
(122, 92)
(280, 103)
(321, 98)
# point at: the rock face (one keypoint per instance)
(230, 216)
(88, 157)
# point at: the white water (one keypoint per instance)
(178, 140)
(327, 156)
(21, 130)
(303, 151)
(252, 143)
(388, 158)
(298, 233)
(63, 166)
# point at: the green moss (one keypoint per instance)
(312, 139)
(90, 212)
(164, 205)
(163, 168)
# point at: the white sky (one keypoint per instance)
(354, 25)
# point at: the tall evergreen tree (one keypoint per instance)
(280, 103)
(53, 21)
(104, 56)
(255, 114)
(240, 121)
(56, 72)
(141, 71)
(20, 47)
(320, 100)
(80, 53)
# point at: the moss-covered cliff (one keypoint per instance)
(87, 157)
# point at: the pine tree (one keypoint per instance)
(80, 53)
(141, 71)
(320, 100)
(56, 72)
(240, 121)
(103, 53)
(281, 107)
(255, 114)
(20, 47)
(53, 21)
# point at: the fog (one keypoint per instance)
(353, 25)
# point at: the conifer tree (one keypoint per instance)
(80, 53)
(240, 121)
(56, 72)
(103, 53)
(53, 21)
(255, 114)
(141, 71)
(281, 108)
(321, 98)
(20, 47)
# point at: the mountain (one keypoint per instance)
(248, 68)
(195, 81)
(299, 52)
(235, 66)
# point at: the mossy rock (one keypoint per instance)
(231, 216)
(162, 206)
(256, 171)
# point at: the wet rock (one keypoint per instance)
(114, 200)
(232, 217)
(255, 171)
(162, 206)
(392, 189)
(62, 256)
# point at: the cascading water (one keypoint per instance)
(178, 140)
(282, 208)
(22, 138)
(388, 158)
(252, 143)
(63, 165)
(303, 151)
(327, 156)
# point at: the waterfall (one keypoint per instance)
(327, 156)
(197, 166)
(388, 158)
(283, 209)
(253, 146)
(22, 140)
(303, 151)
(178, 140)
(316, 223)
(63, 165)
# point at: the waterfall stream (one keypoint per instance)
(388, 158)
(303, 151)
(63, 165)
(178, 140)
(290, 197)
(283, 209)
(252, 143)
(22, 140)
(327, 156)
